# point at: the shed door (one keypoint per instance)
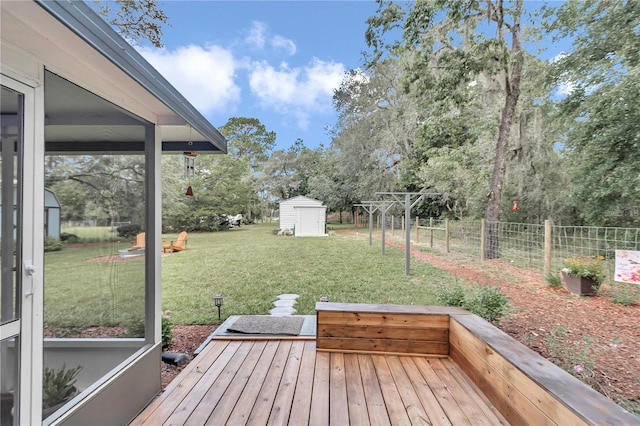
(309, 222)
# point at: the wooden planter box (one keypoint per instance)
(580, 285)
(525, 388)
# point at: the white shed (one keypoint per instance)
(305, 216)
(51, 215)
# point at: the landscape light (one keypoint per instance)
(218, 298)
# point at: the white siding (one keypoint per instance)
(287, 212)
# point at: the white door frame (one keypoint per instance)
(31, 245)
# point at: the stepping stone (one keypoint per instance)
(281, 311)
(288, 297)
(280, 303)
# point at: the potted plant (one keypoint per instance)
(582, 275)
(58, 387)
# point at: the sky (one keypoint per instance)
(277, 61)
(274, 60)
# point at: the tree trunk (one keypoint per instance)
(512, 93)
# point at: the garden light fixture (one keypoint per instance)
(218, 298)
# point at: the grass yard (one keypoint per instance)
(87, 285)
(250, 266)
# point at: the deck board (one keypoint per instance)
(242, 410)
(437, 416)
(320, 391)
(264, 402)
(230, 397)
(259, 382)
(357, 403)
(395, 408)
(415, 410)
(214, 391)
(373, 394)
(444, 396)
(286, 389)
(302, 397)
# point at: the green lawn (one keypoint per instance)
(83, 289)
(249, 265)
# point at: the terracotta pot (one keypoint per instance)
(580, 285)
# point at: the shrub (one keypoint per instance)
(452, 295)
(489, 303)
(198, 220)
(52, 244)
(553, 280)
(58, 385)
(69, 238)
(128, 231)
(622, 294)
(167, 332)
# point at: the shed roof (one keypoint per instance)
(76, 44)
(301, 199)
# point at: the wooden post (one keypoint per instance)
(393, 225)
(417, 229)
(403, 228)
(431, 232)
(446, 234)
(483, 239)
(548, 245)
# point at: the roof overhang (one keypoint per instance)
(95, 75)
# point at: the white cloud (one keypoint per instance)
(558, 57)
(209, 77)
(279, 42)
(256, 35)
(296, 93)
(204, 75)
(565, 88)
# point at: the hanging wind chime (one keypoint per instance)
(189, 168)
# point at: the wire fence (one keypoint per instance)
(537, 246)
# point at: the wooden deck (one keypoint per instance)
(285, 381)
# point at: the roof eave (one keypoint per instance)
(88, 25)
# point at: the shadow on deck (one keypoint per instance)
(379, 364)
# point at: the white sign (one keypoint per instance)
(627, 266)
